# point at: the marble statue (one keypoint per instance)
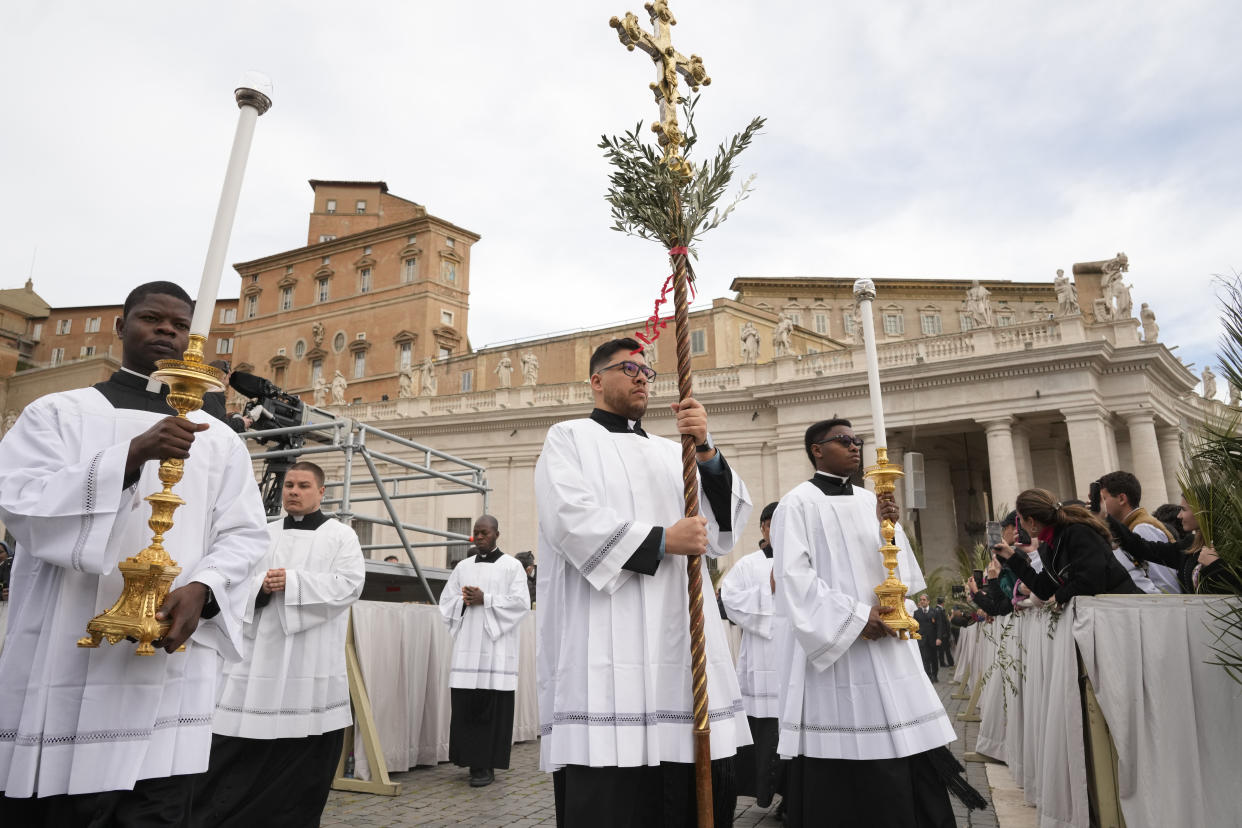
(429, 381)
(530, 368)
(750, 343)
(321, 391)
(317, 334)
(1113, 286)
(504, 371)
(856, 326)
(339, 384)
(1209, 384)
(1151, 331)
(782, 338)
(1103, 310)
(405, 383)
(979, 305)
(1067, 295)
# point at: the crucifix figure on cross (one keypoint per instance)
(669, 62)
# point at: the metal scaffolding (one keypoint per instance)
(354, 440)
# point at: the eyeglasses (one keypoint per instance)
(843, 439)
(631, 369)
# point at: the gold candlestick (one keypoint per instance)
(892, 592)
(149, 574)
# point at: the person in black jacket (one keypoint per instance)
(1198, 567)
(930, 637)
(1080, 558)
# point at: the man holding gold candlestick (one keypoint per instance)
(102, 732)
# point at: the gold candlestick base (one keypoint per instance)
(149, 574)
(892, 592)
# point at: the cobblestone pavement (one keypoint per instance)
(522, 795)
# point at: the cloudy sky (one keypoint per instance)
(905, 138)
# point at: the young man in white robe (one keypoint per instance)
(615, 701)
(483, 604)
(748, 594)
(104, 734)
(860, 721)
(282, 712)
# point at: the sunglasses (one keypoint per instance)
(843, 439)
(631, 369)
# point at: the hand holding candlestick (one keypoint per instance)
(892, 592)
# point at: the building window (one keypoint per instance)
(366, 251)
(331, 206)
(299, 349)
(444, 353)
(278, 376)
(360, 206)
(58, 356)
(228, 316)
(968, 321)
(321, 290)
(286, 297)
(930, 324)
(288, 270)
(316, 371)
(87, 350)
(446, 317)
(448, 271)
(1004, 320)
(326, 260)
(37, 332)
(254, 279)
(451, 242)
(821, 323)
(894, 324)
(698, 341)
(92, 324)
(405, 355)
(457, 551)
(252, 306)
(63, 326)
(364, 280)
(411, 270)
(410, 239)
(326, 237)
(224, 346)
(467, 381)
(847, 320)
(360, 363)
(338, 341)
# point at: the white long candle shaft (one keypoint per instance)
(873, 373)
(213, 268)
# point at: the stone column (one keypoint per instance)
(1170, 441)
(1002, 463)
(1092, 446)
(939, 520)
(1022, 454)
(1145, 457)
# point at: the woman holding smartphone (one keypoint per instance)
(1079, 558)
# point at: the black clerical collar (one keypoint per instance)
(307, 523)
(766, 549)
(488, 557)
(832, 484)
(128, 389)
(618, 424)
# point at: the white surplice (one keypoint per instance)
(614, 645)
(485, 638)
(843, 697)
(292, 681)
(78, 720)
(746, 592)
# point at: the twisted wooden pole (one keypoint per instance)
(694, 568)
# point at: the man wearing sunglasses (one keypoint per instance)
(615, 697)
(860, 720)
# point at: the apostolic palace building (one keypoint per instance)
(998, 385)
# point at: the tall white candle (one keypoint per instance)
(864, 292)
(253, 98)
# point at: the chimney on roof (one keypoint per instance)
(30, 285)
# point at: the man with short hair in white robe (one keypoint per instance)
(614, 673)
(282, 712)
(483, 604)
(103, 736)
(860, 721)
(748, 594)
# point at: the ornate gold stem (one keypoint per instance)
(892, 592)
(149, 574)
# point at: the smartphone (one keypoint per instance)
(1024, 537)
(977, 574)
(994, 534)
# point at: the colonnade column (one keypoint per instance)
(1002, 464)
(1170, 442)
(1093, 447)
(1145, 457)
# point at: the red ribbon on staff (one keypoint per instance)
(651, 331)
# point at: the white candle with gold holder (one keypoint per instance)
(149, 574)
(892, 592)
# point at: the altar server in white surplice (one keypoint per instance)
(615, 703)
(860, 720)
(483, 603)
(104, 734)
(282, 712)
(747, 592)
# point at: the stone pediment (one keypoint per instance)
(447, 335)
(279, 361)
(410, 251)
(365, 261)
(450, 255)
(287, 281)
(404, 336)
(316, 353)
(252, 290)
(324, 272)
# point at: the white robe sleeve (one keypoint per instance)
(592, 537)
(825, 621)
(748, 602)
(450, 600)
(721, 543)
(312, 598)
(502, 611)
(60, 507)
